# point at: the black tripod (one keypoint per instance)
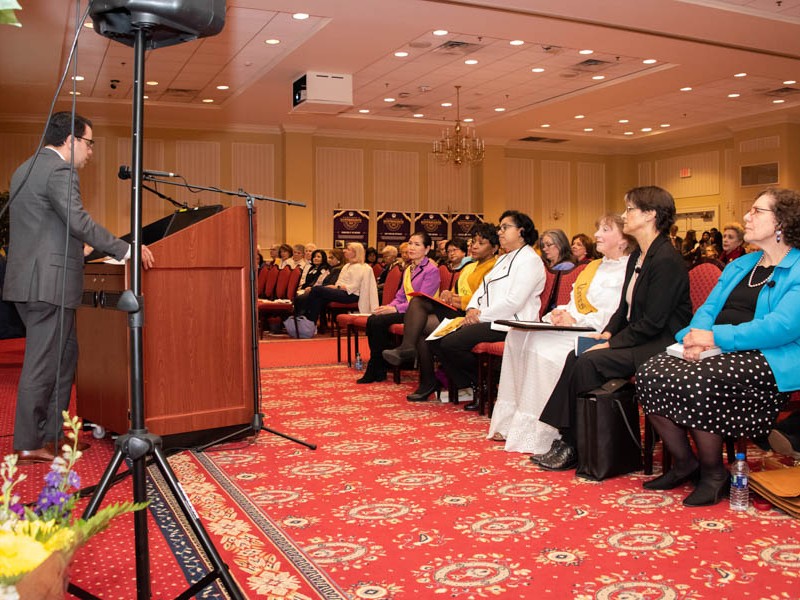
(138, 444)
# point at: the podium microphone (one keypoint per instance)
(125, 173)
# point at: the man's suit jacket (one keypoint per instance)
(39, 216)
(661, 304)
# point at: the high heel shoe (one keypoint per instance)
(397, 357)
(422, 393)
(671, 479)
(709, 491)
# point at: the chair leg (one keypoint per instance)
(481, 383)
(489, 385)
(649, 446)
(349, 352)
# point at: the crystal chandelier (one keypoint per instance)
(460, 145)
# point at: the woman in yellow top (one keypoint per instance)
(424, 315)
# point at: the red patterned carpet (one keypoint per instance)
(405, 501)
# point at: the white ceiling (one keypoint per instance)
(700, 44)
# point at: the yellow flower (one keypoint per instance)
(19, 554)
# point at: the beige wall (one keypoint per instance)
(558, 189)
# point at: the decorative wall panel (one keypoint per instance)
(703, 178)
(520, 191)
(449, 188)
(556, 197)
(395, 180)
(339, 183)
(253, 170)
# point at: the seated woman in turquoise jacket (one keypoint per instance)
(752, 316)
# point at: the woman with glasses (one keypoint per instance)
(752, 316)
(654, 306)
(510, 291)
(556, 250)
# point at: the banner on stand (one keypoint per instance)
(350, 226)
(461, 225)
(393, 228)
(434, 223)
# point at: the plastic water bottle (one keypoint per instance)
(359, 363)
(740, 492)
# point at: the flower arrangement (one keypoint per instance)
(31, 535)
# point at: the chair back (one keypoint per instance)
(393, 280)
(261, 281)
(294, 282)
(565, 283)
(702, 280)
(377, 269)
(269, 282)
(446, 278)
(282, 284)
(550, 280)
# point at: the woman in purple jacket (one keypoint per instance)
(421, 275)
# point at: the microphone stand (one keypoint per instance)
(183, 206)
(257, 423)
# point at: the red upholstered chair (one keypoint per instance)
(270, 280)
(285, 290)
(550, 282)
(261, 281)
(352, 324)
(377, 269)
(447, 278)
(702, 280)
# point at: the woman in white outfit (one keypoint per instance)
(533, 360)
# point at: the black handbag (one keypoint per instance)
(608, 433)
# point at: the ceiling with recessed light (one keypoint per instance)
(612, 76)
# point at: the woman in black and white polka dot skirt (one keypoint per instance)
(752, 315)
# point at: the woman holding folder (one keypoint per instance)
(421, 275)
(510, 290)
(425, 314)
(532, 360)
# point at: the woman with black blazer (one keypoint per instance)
(654, 306)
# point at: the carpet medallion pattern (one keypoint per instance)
(411, 501)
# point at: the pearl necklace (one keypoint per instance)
(750, 283)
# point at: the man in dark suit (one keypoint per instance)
(49, 227)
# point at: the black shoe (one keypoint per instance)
(535, 458)
(423, 392)
(671, 479)
(562, 459)
(708, 492)
(397, 357)
(372, 378)
(472, 406)
(785, 443)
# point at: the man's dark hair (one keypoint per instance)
(60, 127)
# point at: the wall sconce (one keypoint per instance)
(556, 214)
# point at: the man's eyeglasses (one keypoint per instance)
(757, 209)
(89, 142)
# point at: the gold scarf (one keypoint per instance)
(581, 287)
(408, 288)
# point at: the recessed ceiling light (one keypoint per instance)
(778, 101)
(389, 99)
(401, 54)
(470, 61)
(649, 61)
(580, 116)
(300, 16)
(499, 109)
(734, 95)
(585, 51)
(665, 125)
(363, 111)
(740, 75)
(516, 42)
(686, 89)
(208, 100)
(469, 120)
(537, 70)
(789, 82)
(272, 42)
(89, 25)
(545, 125)
(152, 83)
(598, 77)
(628, 133)
(78, 78)
(71, 93)
(447, 104)
(418, 115)
(223, 87)
(623, 121)
(440, 32)
(646, 129)
(588, 129)
(146, 97)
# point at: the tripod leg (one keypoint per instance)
(197, 527)
(288, 437)
(103, 486)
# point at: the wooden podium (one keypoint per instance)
(196, 335)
